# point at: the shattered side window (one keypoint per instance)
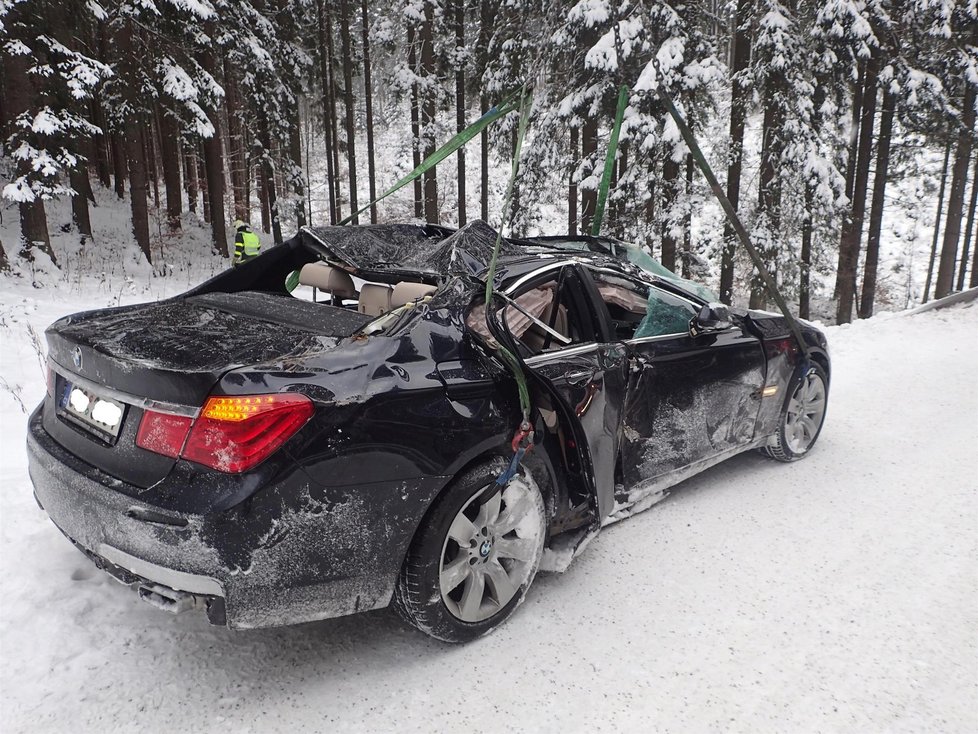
(666, 314)
(638, 310)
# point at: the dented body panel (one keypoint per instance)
(401, 406)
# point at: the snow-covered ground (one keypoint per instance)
(836, 594)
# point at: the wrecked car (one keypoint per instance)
(274, 456)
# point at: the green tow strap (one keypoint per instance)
(511, 360)
(503, 108)
(728, 208)
(508, 104)
(609, 162)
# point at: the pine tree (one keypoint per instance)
(968, 64)
(45, 80)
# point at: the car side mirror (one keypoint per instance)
(712, 317)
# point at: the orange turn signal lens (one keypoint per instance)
(233, 409)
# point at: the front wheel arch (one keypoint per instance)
(420, 596)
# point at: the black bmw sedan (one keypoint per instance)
(275, 453)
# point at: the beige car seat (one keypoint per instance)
(406, 291)
(323, 277)
(535, 337)
(375, 299)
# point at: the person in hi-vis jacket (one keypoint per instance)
(247, 246)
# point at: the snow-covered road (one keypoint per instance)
(837, 594)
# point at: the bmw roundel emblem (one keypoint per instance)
(76, 357)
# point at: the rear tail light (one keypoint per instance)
(234, 434)
(231, 434)
(163, 433)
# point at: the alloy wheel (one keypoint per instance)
(490, 551)
(805, 412)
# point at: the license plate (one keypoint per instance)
(86, 408)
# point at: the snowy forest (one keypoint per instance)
(842, 130)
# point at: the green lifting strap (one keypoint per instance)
(511, 360)
(503, 108)
(731, 213)
(508, 104)
(609, 162)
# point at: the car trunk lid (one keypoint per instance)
(168, 356)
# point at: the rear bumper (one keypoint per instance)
(296, 553)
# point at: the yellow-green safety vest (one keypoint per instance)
(250, 245)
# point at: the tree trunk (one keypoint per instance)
(4, 263)
(852, 228)
(149, 152)
(670, 197)
(291, 151)
(769, 187)
(431, 211)
(333, 127)
(295, 158)
(329, 120)
(236, 147)
(805, 269)
(968, 230)
(415, 122)
(857, 109)
(650, 209)
(485, 36)
(214, 166)
(572, 184)
(268, 182)
(868, 296)
(190, 179)
(214, 171)
(589, 149)
(346, 43)
(460, 102)
(170, 150)
(955, 199)
(937, 222)
(368, 94)
(688, 217)
(119, 165)
(739, 100)
(34, 230)
(78, 178)
(262, 183)
(484, 166)
(202, 180)
(101, 145)
(138, 186)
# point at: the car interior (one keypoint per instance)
(324, 283)
(638, 310)
(542, 317)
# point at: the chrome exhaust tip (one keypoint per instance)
(167, 599)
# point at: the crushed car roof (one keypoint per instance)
(422, 248)
(432, 252)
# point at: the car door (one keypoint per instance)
(688, 399)
(587, 375)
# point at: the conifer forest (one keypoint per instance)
(843, 131)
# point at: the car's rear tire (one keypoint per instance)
(802, 417)
(474, 556)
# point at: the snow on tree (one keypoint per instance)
(46, 82)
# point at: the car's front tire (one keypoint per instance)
(474, 557)
(802, 416)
